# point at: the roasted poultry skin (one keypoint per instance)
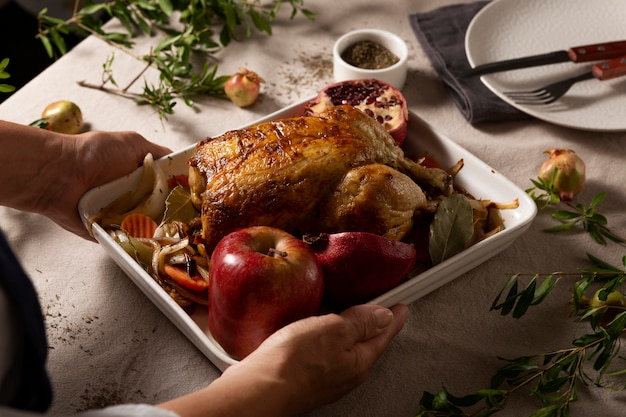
(289, 173)
(387, 198)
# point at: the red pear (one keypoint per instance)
(360, 266)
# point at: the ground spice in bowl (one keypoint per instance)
(369, 55)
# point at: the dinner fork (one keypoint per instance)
(552, 92)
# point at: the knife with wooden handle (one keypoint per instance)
(610, 69)
(575, 54)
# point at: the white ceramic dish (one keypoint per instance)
(477, 177)
(511, 28)
(394, 75)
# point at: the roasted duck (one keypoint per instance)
(307, 175)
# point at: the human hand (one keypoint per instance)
(304, 365)
(320, 359)
(48, 172)
(99, 157)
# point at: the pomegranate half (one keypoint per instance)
(376, 98)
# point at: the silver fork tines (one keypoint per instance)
(549, 93)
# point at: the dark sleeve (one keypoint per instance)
(34, 392)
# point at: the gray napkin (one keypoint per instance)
(441, 32)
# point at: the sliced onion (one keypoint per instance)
(204, 272)
(166, 250)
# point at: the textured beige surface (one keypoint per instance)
(109, 344)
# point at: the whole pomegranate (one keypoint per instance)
(376, 98)
(570, 172)
(243, 87)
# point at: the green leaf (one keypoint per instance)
(565, 214)
(166, 7)
(260, 23)
(525, 299)
(442, 401)
(616, 326)
(588, 339)
(58, 41)
(578, 290)
(40, 123)
(494, 398)
(514, 370)
(617, 373)
(451, 228)
(549, 411)
(609, 235)
(309, 14)
(605, 265)
(509, 301)
(178, 206)
(519, 302)
(119, 38)
(597, 199)
(553, 385)
(92, 9)
(607, 353)
(473, 399)
(47, 46)
(225, 36)
(230, 15)
(546, 288)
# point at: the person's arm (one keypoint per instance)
(47, 173)
(303, 366)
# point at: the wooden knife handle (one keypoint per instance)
(597, 51)
(610, 69)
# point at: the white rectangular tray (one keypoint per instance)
(476, 177)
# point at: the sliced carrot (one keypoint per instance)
(139, 225)
(181, 276)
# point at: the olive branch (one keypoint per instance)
(188, 30)
(553, 378)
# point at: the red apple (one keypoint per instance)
(261, 278)
(360, 266)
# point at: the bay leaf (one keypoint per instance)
(451, 228)
(178, 206)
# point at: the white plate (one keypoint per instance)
(512, 28)
(477, 177)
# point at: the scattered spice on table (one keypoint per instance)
(369, 55)
(108, 393)
(307, 72)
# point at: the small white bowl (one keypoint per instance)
(394, 74)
